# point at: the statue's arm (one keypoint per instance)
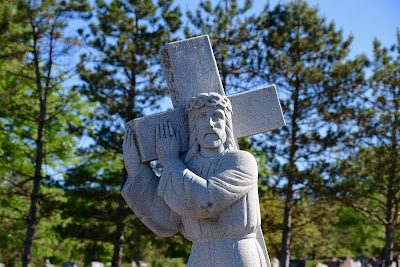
(193, 196)
(140, 192)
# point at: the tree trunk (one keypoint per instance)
(117, 255)
(31, 223)
(119, 232)
(287, 224)
(137, 257)
(390, 222)
(391, 215)
(388, 251)
(289, 203)
(32, 217)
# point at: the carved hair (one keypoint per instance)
(208, 100)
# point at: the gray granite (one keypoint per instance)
(208, 189)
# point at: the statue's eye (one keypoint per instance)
(217, 115)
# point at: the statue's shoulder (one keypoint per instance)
(240, 158)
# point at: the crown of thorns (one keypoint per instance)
(209, 100)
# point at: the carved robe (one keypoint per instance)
(214, 203)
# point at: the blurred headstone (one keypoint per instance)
(47, 263)
(69, 264)
(346, 262)
(142, 264)
(332, 262)
(96, 264)
(275, 262)
(355, 263)
(298, 263)
(363, 260)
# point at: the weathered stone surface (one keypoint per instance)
(254, 111)
(145, 131)
(211, 196)
(190, 69)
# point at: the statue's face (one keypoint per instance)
(210, 127)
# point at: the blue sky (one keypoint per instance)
(365, 19)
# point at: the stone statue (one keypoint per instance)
(210, 195)
(208, 187)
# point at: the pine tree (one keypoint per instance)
(370, 177)
(37, 111)
(122, 75)
(306, 58)
(385, 84)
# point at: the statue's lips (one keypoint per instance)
(210, 134)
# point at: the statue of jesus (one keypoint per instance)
(210, 194)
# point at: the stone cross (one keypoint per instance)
(190, 70)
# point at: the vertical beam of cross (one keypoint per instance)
(190, 69)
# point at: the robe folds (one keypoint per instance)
(213, 202)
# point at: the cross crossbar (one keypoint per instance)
(254, 112)
(190, 69)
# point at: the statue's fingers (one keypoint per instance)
(130, 137)
(125, 143)
(170, 129)
(162, 130)
(166, 133)
(158, 132)
(126, 135)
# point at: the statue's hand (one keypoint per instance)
(167, 143)
(130, 153)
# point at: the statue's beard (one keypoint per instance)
(212, 139)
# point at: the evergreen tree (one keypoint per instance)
(306, 58)
(371, 175)
(36, 110)
(385, 126)
(122, 75)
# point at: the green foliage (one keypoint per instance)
(168, 262)
(121, 74)
(306, 57)
(271, 206)
(36, 114)
(124, 74)
(369, 181)
(12, 225)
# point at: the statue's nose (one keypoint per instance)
(210, 122)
